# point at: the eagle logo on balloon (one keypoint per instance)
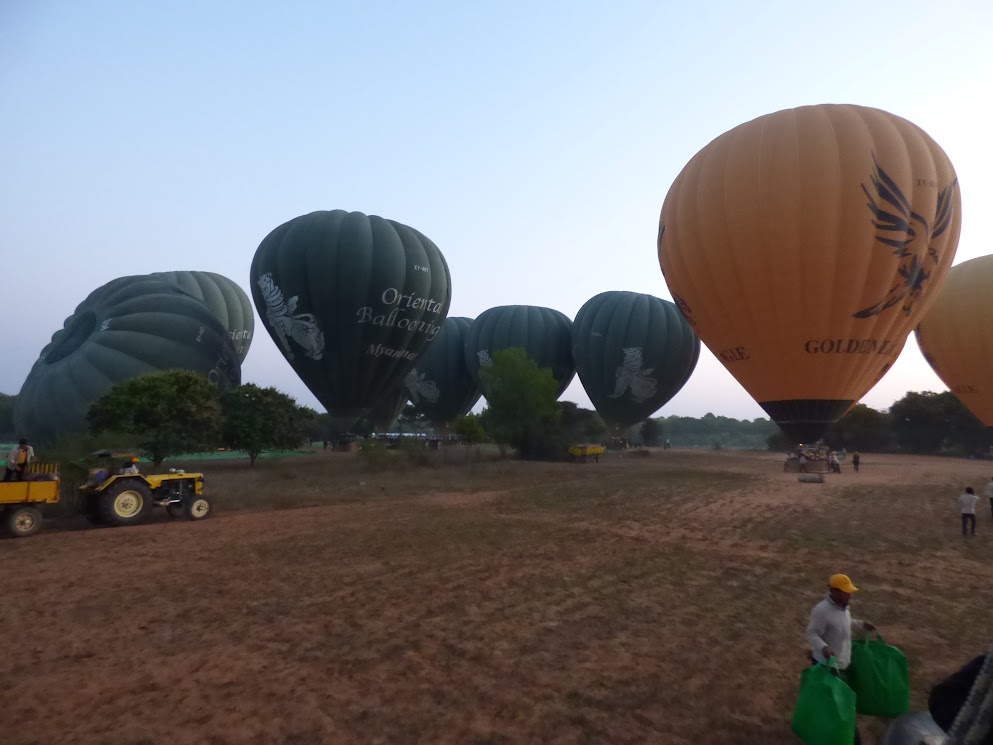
(909, 234)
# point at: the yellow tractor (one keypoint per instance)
(114, 493)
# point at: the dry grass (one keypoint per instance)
(635, 600)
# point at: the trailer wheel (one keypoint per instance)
(126, 502)
(197, 508)
(23, 521)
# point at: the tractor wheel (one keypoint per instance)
(23, 521)
(126, 503)
(197, 508)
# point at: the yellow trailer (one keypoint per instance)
(19, 500)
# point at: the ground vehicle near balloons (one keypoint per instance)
(128, 498)
(107, 496)
(20, 500)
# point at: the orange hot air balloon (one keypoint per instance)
(804, 246)
(956, 335)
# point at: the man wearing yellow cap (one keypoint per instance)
(831, 626)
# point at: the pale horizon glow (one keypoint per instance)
(533, 143)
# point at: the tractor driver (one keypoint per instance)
(18, 460)
(130, 468)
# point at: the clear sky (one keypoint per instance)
(534, 142)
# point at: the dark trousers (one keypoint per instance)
(843, 674)
(13, 474)
(966, 520)
(991, 505)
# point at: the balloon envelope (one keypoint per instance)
(351, 300)
(544, 334)
(956, 335)
(633, 353)
(804, 246)
(440, 384)
(226, 299)
(129, 327)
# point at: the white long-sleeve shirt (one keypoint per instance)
(832, 626)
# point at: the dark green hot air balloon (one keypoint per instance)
(633, 353)
(351, 300)
(129, 327)
(440, 385)
(226, 299)
(544, 334)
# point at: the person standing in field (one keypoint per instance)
(855, 461)
(803, 462)
(989, 492)
(967, 503)
(18, 460)
(831, 626)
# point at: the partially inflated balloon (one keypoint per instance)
(440, 385)
(351, 300)
(804, 246)
(633, 353)
(225, 298)
(126, 328)
(544, 334)
(956, 335)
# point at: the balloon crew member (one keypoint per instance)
(967, 504)
(18, 460)
(829, 631)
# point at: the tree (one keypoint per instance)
(862, 428)
(168, 413)
(258, 419)
(469, 429)
(579, 423)
(652, 432)
(522, 408)
(919, 422)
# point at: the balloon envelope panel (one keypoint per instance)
(225, 298)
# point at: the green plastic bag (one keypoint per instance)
(825, 709)
(880, 678)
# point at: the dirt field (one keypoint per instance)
(635, 600)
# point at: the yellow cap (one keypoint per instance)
(842, 582)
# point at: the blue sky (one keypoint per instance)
(533, 142)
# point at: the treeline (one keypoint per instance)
(709, 431)
(923, 423)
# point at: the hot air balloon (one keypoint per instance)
(440, 385)
(804, 246)
(129, 327)
(544, 334)
(225, 298)
(956, 335)
(633, 353)
(351, 301)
